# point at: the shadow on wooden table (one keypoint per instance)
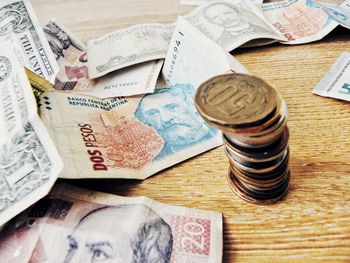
(123, 187)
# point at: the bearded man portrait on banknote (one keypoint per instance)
(234, 22)
(149, 239)
(171, 112)
(123, 233)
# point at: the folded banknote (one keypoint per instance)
(29, 162)
(300, 21)
(73, 76)
(18, 18)
(336, 82)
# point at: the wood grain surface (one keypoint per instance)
(312, 223)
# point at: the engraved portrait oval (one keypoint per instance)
(235, 99)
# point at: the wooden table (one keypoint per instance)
(313, 221)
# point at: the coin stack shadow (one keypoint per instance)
(253, 118)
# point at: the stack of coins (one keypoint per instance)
(253, 118)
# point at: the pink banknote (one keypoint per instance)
(74, 225)
(300, 21)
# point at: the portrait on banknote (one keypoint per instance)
(128, 47)
(77, 225)
(69, 53)
(58, 39)
(225, 22)
(171, 112)
(120, 241)
(126, 136)
(74, 233)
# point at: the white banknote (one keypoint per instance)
(127, 47)
(29, 162)
(340, 12)
(188, 52)
(232, 23)
(73, 76)
(76, 225)
(336, 83)
(300, 21)
(133, 80)
(18, 17)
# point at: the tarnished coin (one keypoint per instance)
(237, 101)
(262, 194)
(261, 183)
(264, 176)
(257, 198)
(257, 167)
(266, 153)
(266, 136)
(260, 168)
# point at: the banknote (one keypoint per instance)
(126, 137)
(18, 19)
(133, 80)
(188, 52)
(29, 162)
(69, 52)
(39, 85)
(73, 76)
(127, 47)
(336, 83)
(201, 2)
(300, 21)
(232, 23)
(340, 12)
(76, 225)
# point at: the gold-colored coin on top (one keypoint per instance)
(236, 100)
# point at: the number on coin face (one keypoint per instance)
(236, 99)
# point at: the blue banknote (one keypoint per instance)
(126, 137)
(339, 13)
(172, 113)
